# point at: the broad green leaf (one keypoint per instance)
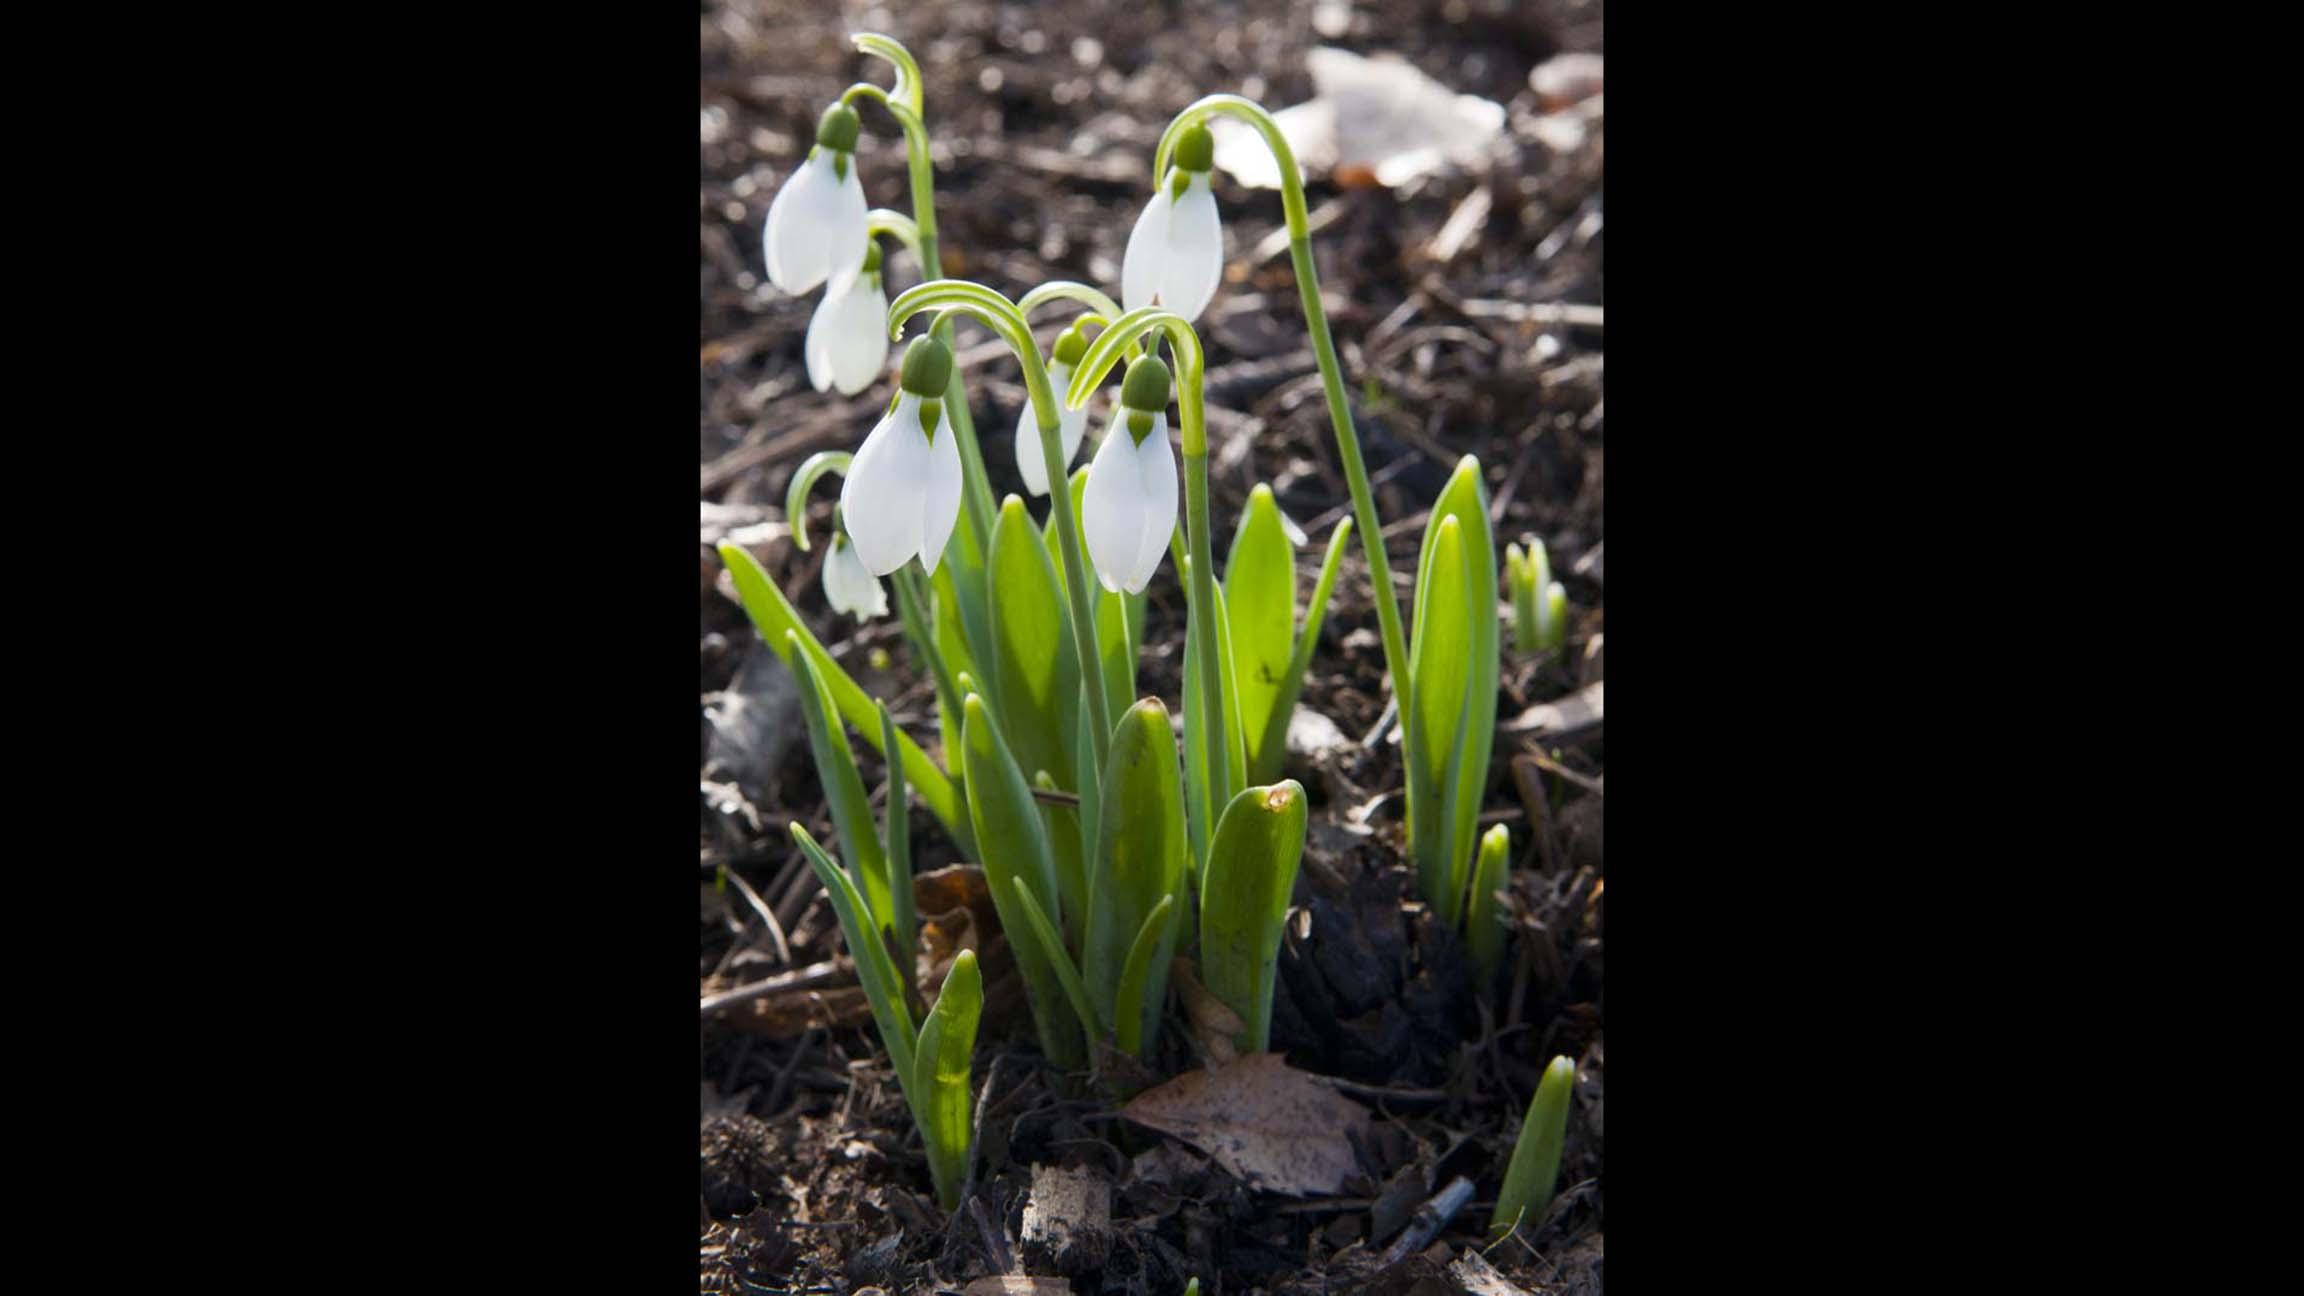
(1140, 847)
(1251, 871)
(1000, 805)
(870, 956)
(1535, 1165)
(1143, 984)
(1438, 667)
(772, 616)
(1037, 679)
(940, 1085)
(1260, 597)
(1466, 499)
(1272, 748)
(844, 789)
(1483, 919)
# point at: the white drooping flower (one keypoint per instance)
(1129, 509)
(902, 496)
(848, 336)
(848, 586)
(1031, 461)
(816, 227)
(1175, 255)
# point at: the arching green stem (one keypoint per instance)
(803, 478)
(995, 312)
(880, 220)
(1192, 422)
(1324, 350)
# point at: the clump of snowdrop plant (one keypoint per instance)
(1108, 848)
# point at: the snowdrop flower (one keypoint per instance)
(902, 495)
(848, 336)
(816, 226)
(1030, 460)
(1176, 254)
(848, 587)
(1129, 510)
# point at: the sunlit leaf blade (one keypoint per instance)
(1483, 919)
(1143, 984)
(1140, 846)
(1535, 1166)
(1051, 945)
(1438, 666)
(952, 646)
(898, 840)
(1251, 871)
(843, 789)
(772, 616)
(1260, 599)
(1466, 499)
(881, 989)
(1272, 748)
(1037, 679)
(940, 1083)
(1001, 806)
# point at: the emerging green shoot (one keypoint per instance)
(1453, 665)
(1483, 918)
(1535, 1165)
(1244, 902)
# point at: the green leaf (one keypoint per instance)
(1272, 747)
(772, 616)
(1519, 578)
(940, 1084)
(844, 789)
(1217, 782)
(1483, 920)
(1037, 679)
(873, 969)
(1251, 871)
(1052, 945)
(1466, 499)
(1260, 595)
(952, 646)
(1535, 1166)
(1140, 848)
(1438, 667)
(1144, 980)
(899, 844)
(1001, 807)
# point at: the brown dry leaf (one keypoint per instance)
(1272, 1126)
(1474, 1275)
(792, 1013)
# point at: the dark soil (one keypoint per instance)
(1044, 121)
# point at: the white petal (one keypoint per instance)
(880, 500)
(1156, 482)
(848, 587)
(1030, 464)
(818, 347)
(1112, 507)
(798, 237)
(1140, 266)
(940, 498)
(849, 229)
(857, 345)
(1195, 261)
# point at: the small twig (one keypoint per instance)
(1055, 797)
(1430, 1218)
(815, 974)
(1383, 724)
(768, 915)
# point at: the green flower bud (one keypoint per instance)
(1196, 148)
(1071, 346)
(836, 129)
(927, 367)
(1146, 386)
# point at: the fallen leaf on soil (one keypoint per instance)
(1272, 1126)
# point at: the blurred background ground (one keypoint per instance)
(1466, 302)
